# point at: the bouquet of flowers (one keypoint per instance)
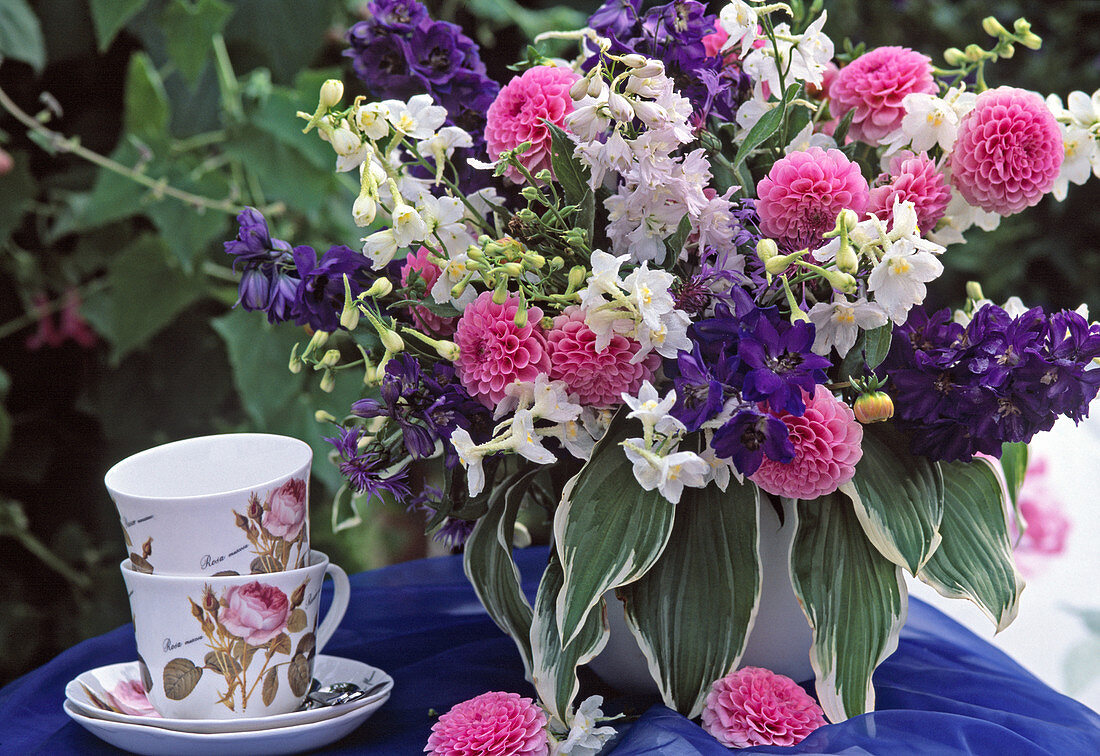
(672, 280)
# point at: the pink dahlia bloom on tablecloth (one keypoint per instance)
(913, 178)
(494, 351)
(1008, 151)
(492, 724)
(598, 379)
(803, 193)
(517, 114)
(436, 325)
(827, 445)
(255, 612)
(874, 85)
(754, 706)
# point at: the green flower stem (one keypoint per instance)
(72, 145)
(53, 561)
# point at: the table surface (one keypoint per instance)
(944, 691)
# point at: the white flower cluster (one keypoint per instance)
(657, 463)
(655, 188)
(639, 306)
(1080, 127)
(383, 140)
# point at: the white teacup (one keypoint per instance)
(236, 503)
(232, 647)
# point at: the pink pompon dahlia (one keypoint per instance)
(1008, 151)
(517, 114)
(597, 378)
(827, 445)
(492, 724)
(494, 351)
(874, 85)
(804, 192)
(428, 271)
(754, 706)
(913, 178)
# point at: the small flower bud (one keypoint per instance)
(295, 365)
(391, 341)
(620, 107)
(874, 407)
(974, 290)
(531, 194)
(332, 91)
(500, 293)
(579, 88)
(345, 142)
(318, 340)
(779, 263)
(557, 262)
(954, 56)
(298, 596)
(363, 210)
(331, 359)
(459, 288)
(520, 318)
(324, 417)
(596, 85)
(380, 288)
(649, 70)
(328, 381)
(545, 176)
(577, 276)
(766, 249)
(992, 27)
(634, 60)
(547, 323)
(512, 269)
(448, 350)
(847, 219)
(973, 53)
(847, 261)
(1025, 36)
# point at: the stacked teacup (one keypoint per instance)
(224, 589)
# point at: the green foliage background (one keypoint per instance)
(200, 96)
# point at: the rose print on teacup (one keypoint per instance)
(277, 527)
(140, 561)
(244, 621)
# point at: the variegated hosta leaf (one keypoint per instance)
(898, 498)
(975, 559)
(692, 612)
(854, 598)
(553, 663)
(491, 570)
(608, 530)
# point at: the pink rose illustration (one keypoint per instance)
(287, 513)
(256, 613)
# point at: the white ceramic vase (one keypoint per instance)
(780, 638)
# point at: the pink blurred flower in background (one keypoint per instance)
(1047, 527)
(70, 323)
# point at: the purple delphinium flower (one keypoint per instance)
(364, 468)
(780, 365)
(750, 436)
(269, 280)
(699, 396)
(320, 295)
(398, 15)
(963, 390)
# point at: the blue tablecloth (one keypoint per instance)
(944, 691)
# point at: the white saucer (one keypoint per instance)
(327, 669)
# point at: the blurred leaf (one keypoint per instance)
(192, 26)
(188, 231)
(146, 292)
(17, 187)
(21, 34)
(146, 101)
(281, 35)
(275, 115)
(259, 353)
(109, 16)
(113, 197)
(531, 22)
(5, 418)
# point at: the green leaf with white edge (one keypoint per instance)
(146, 291)
(21, 34)
(553, 663)
(854, 598)
(692, 612)
(109, 16)
(975, 559)
(570, 172)
(146, 101)
(491, 570)
(768, 124)
(898, 498)
(193, 26)
(1014, 458)
(608, 530)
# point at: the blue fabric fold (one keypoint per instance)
(944, 691)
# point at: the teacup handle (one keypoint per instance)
(341, 595)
